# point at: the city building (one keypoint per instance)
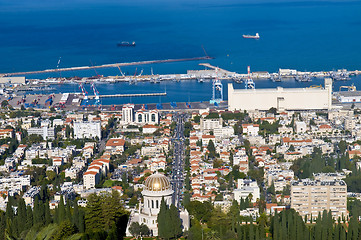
(45, 132)
(127, 113)
(6, 133)
(210, 124)
(250, 129)
(246, 188)
(115, 145)
(87, 130)
(310, 197)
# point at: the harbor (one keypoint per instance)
(159, 89)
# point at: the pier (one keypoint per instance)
(130, 95)
(113, 65)
(220, 70)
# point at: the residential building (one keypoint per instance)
(311, 197)
(87, 130)
(45, 132)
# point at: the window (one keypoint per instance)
(157, 204)
(153, 117)
(140, 118)
(152, 204)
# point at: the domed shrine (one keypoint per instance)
(156, 187)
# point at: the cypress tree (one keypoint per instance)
(162, 219)
(257, 237)
(93, 217)
(41, 212)
(29, 218)
(75, 219)
(36, 212)
(276, 227)
(47, 213)
(2, 225)
(9, 213)
(251, 230)
(299, 226)
(81, 221)
(239, 232)
(21, 215)
(343, 234)
(175, 221)
(68, 212)
(336, 235)
(241, 204)
(61, 210)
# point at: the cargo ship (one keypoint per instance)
(251, 36)
(126, 44)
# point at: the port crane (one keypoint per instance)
(85, 94)
(249, 84)
(120, 71)
(96, 94)
(351, 88)
(217, 90)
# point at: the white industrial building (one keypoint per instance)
(281, 98)
(349, 96)
(87, 130)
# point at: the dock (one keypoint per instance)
(113, 65)
(220, 70)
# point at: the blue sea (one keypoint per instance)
(302, 35)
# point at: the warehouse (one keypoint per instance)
(281, 98)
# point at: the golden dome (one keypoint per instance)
(157, 182)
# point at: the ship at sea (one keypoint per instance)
(251, 36)
(126, 44)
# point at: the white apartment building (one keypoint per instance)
(301, 127)
(127, 113)
(250, 129)
(87, 130)
(14, 182)
(91, 178)
(245, 188)
(45, 132)
(211, 124)
(310, 197)
(223, 132)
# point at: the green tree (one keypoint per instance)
(162, 220)
(212, 149)
(61, 211)
(175, 222)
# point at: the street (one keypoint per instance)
(178, 161)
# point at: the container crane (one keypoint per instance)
(217, 90)
(96, 94)
(120, 71)
(85, 94)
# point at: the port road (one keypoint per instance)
(178, 164)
